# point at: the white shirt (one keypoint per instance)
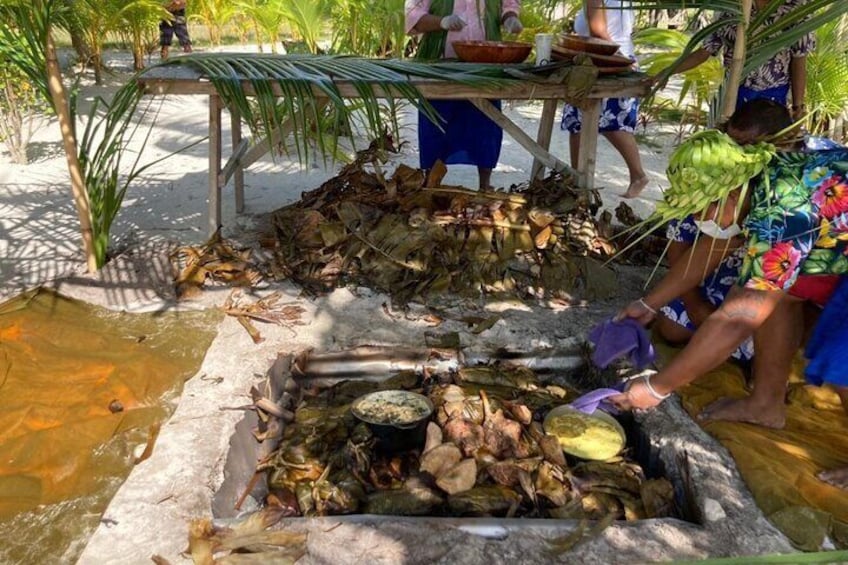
(619, 24)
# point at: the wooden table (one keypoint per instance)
(183, 80)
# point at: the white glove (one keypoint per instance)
(513, 25)
(452, 23)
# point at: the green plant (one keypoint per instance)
(699, 84)
(361, 27)
(139, 22)
(21, 107)
(306, 18)
(110, 126)
(214, 14)
(99, 18)
(267, 17)
(28, 28)
(300, 80)
(827, 75)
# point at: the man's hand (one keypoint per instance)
(452, 23)
(513, 25)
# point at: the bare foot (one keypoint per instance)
(835, 477)
(636, 187)
(745, 410)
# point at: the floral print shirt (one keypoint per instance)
(775, 71)
(798, 224)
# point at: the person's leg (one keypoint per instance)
(838, 477)
(776, 342)
(166, 36)
(432, 139)
(181, 29)
(672, 330)
(485, 175)
(625, 143)
(574, 148)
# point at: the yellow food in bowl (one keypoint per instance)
(596, 436)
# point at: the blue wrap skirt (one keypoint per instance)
(469, 136)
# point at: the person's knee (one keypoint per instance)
(671, 331)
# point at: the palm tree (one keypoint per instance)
(139, 21)
(267, 17)
(215, 15)
(30, 24)
(307, 19)
(102, 17)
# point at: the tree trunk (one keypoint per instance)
(80, 45)
(137, 50)
(60, 102)
(97, 65)
(734, 76)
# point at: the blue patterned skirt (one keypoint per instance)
(617, 114)
(469, 136)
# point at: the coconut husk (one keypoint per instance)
(459, 478)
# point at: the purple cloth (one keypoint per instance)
(616, 339)
(596, 399)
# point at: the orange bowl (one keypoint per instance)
(588, 44)
(499, 52)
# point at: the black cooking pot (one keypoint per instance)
(397, 418)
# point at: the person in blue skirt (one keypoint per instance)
(464, 136)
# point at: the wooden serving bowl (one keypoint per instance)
(588, 44)
(499, 52)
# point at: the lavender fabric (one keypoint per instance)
(616, 339)
(591, 401)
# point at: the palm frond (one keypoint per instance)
(296, 81)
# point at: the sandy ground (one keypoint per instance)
(39, 244)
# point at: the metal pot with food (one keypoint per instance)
(397, 418)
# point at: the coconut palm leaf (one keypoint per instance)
(827, 75)
(297, 81)
(23, 38)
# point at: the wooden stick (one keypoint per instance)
(480, 223)
(505, 196)
(543, 136)
(543, 155)
(250, 485)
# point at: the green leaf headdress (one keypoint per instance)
(706, 168)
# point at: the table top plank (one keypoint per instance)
(184, 80)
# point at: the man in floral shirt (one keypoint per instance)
(786, 71)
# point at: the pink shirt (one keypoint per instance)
(472, 11)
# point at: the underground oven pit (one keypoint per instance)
(708, 511)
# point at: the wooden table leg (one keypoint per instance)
(588, 144)
(543, 136)
(214, 219)
(527, 142)
(238, 181)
